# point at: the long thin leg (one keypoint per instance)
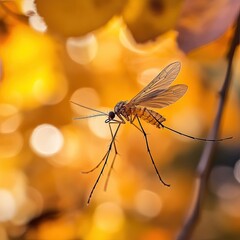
(188, 136)
(197, 138)
(104, 165)
(94, 168)
(114, 158)
(149, 152)
(132, 122)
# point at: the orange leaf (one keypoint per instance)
(77, 17)
(203, 21)
(146, 19)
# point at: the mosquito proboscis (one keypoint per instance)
(157, 94)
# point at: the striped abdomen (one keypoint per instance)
(148, 115)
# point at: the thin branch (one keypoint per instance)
(206, 159)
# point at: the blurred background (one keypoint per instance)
(97, 53)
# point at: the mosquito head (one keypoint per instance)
(111, 116)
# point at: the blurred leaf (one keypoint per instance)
(77, 17)
(147, 19)
(203, 21)
(24, 59)
(214, 51)
(3, 28)
(12, 8)
(48, 215)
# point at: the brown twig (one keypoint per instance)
(206, 159)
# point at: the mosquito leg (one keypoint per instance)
(94, 168)
(109, 172)
(132, 122)
(113, 161)
(188, 136)
(91, 170)
(149, 152)
(104, 165)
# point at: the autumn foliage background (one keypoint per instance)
(97, 53)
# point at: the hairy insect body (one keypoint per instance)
(131, 112)
(121, 109)
(148, 116)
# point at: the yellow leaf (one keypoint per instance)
(77, 17)
(147, 19)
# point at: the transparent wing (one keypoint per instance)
(163, 99)
(159, 84)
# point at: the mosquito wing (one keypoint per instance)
(163, 99)
(158, 85)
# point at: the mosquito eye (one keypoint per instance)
(111, 115)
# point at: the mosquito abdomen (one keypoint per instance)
(149, 116)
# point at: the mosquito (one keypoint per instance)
(157, 94)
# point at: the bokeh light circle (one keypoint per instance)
(35, 21)
(236, 171)
(148, 203)
(147, 75)
(10, 118)
(46, 140)
(98, 126)
(82, 50)
(87, 97)
(109, 217)
(7, 205)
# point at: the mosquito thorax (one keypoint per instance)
(119, 106)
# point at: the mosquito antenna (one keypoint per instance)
(90, 116)
(103, 113)
(196, 138)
